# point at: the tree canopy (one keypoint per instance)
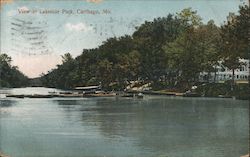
(10, 76)
(172, 49)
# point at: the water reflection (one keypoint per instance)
(6, 103)
(5, 108)
(164, 126)
(153, 126)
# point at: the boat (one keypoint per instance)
(100, 95)
(15, 96)
(140, 95)
(31, 96)
(88, 89)
(128, 95)
(53, 92)
(191, 94)
(66, 92)
(39, 96)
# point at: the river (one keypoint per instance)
(155, 126)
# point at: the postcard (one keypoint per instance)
(131, 78)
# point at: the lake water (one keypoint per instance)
(155, 126)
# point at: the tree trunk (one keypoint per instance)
(208, 77)
(215, 74)
(232, 83)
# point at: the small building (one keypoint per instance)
(88, 89)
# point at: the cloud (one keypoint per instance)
(78, 27)
(94, 1)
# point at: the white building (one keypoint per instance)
(224, 74)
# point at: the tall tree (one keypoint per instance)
(235, 39)
(209, 42)
(184, 56)
(189, 17)
(149, 39)
(242, 24)
(10, 76)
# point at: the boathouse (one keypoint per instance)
(88, 89)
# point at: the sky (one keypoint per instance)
(36, 33)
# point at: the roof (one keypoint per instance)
(87, 87)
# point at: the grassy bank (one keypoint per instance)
(239, 91)
(225, 90)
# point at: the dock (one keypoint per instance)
(73, 95)
(163, 93)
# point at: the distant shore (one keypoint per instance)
(117, 94)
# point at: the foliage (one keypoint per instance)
(235, 39)
(214, 89)
(10, 76)
(170, 51)
(193, 51)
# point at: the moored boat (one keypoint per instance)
(140, 95)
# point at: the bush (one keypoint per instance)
(240, 91)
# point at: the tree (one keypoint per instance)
(183, 55)
(10, 76)
(172, 50)
(105, 69)
(149, 39)
(189, 17)
(209, 42)
(194, 51)
(235, 39)
(242, 24)
(67, 58)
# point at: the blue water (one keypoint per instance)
(155, 126)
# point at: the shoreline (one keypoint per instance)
(118, 94)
